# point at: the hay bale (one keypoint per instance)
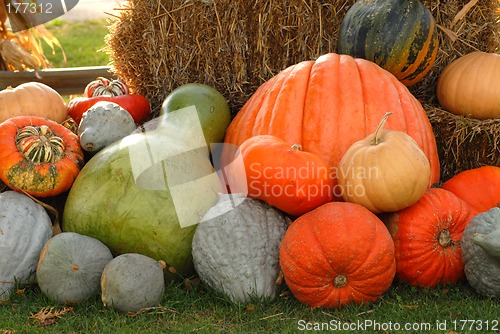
(463, 142)
(235, 46)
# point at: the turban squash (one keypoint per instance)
(38, 156)
(328, 104)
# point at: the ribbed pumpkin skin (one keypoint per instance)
(470, 86)
(328, 104)
(337, 254)
(427, 237)
(400, 36)
(478, 187)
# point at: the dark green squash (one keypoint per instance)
(398, 35)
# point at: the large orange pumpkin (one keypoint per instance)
(337, 254)
(328, 104)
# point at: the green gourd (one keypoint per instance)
(146, 193)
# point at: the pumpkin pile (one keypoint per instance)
(327, 179)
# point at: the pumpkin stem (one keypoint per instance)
(444, 238)
(376, 139)
(296, 147)
(340, 281)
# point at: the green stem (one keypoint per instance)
(376, 139)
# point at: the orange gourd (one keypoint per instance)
(328, 104)
(337, 254)
(427, 239)
(38, 156)
(282, 175)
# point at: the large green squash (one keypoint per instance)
(146, 193)
(399, 35)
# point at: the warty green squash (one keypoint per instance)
(481, 253)
(236, 248)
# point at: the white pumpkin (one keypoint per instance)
(25, 227)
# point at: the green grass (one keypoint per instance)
(81, 42)
(201, 310)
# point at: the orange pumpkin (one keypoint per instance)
(427, 237)
(282, 175)
(337, 254)
(328, 104)
(32, 99)
(470, 85)
(384, 172)
(38, 156)
(478, 187)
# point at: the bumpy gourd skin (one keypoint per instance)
(482, 269)
(237, 252)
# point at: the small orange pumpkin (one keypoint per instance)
(385, 172)
(38, 156)
(282, 175)
(470, 85)
(32, 99)
(427, 239)
(337, 254)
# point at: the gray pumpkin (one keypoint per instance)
(70, 267)
(25, 227)
(131, 282)
(103, 124)
(481, 253)
(236, 248)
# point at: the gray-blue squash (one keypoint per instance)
(103, 124)
(481, 253)
(236, 248)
